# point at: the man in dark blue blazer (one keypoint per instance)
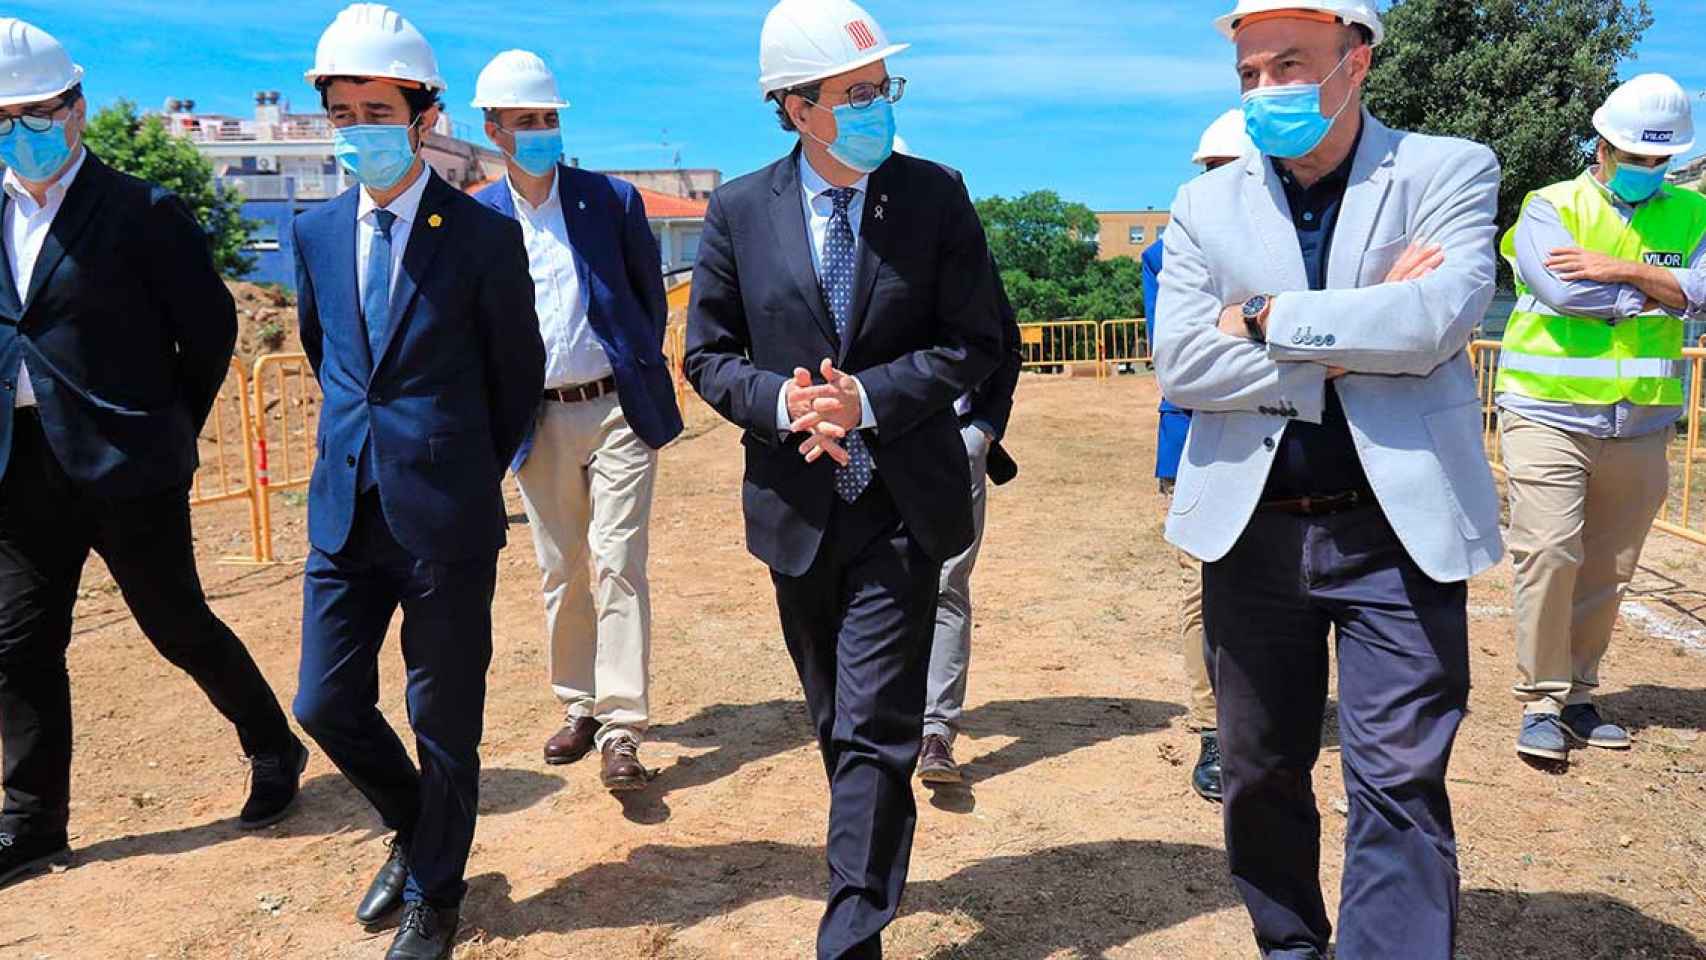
(870, 269)
(116, 333)
(589, 470)
(417, 315)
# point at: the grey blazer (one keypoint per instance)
(1409, 395)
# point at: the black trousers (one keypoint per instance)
(859, 627)
(47, 528)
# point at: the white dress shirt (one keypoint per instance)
(820, 210)
(407, 207)
(27, 223)
(573, 355)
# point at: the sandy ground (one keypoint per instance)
(1079, 837)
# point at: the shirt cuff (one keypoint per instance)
(867, 416)
(1631, 301)
(1693, 283)
(782, 420)
(984, 425)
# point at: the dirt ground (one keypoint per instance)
(1079, 837)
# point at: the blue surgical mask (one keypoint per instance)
(538, 151)
(1638, 184)
(1286, 121)
(36, 156)
(864, 139)
(378, 155)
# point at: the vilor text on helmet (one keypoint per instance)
(1649, 116)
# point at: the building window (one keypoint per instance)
(265, 237)
(1135, 237)
(1160, 231)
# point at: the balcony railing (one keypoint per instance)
(272, 186)
(249, 131)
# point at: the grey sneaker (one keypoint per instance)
(1584, 723)
(1543, 736)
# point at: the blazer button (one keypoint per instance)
(1331, 339)
(1268, 442)
(349, 460)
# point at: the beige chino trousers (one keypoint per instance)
(1581, 509)
(587, 486)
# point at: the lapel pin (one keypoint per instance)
(581, 205)
(884, 198)
(435, 221)
(878, 211)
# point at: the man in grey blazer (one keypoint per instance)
(1320, 298)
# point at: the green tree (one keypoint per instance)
(142, 147)
(1046, 248)
(1522, 76)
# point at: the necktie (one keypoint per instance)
(836, 281)
(376, 293)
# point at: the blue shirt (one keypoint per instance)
(1317, 459)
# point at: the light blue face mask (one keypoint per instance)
(1638, 184)
(36, 155)
(377, 155)
(1286, 121)
(537, 151)
(864, 139)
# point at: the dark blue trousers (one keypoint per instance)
(1403, 688)
(348, 601)
(859, 627)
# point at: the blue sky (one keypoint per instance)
(1101, 100)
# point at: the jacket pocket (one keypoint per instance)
(1457, 443)
(1202, 445)
(1377, 261)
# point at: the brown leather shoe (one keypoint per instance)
(623, 771)
(572, 742)
(936, 762)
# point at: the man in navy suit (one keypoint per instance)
(417, 315)
(871, 269)
(115, 336)
(588, 473)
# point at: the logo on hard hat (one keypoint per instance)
(1657, 136)
(863, 37)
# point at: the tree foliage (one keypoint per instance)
(1522, 76)
(142, 147)
(1046, 248)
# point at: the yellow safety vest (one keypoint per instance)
(1588, 360)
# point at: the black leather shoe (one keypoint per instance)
(385, 893)
(1205, 778)
(22, 855)
(426, 933)
(274, 782)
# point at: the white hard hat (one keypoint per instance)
(520, 80)
(1225, 137)
(805, 41)
(1649, 116)
(33, 66)
(373, 40)
(1346, 11)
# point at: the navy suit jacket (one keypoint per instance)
(127, 332)
(447, 402)
(925, 329)
(622, 275)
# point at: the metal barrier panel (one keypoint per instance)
(286, 419)
(227, 469)
(675, 352)
(1061, 343)
(1125, 341)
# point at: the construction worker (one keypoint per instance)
(588, 471)
(1223, 142)
(416, 309)
(116, 333)
(1608, 266)
(842, 303)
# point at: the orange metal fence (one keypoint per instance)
(1125, 341)
(1061, 344)
(286, 421)
(227, 470)
(675, 352)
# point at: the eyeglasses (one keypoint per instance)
(861, 95)
(30, 121)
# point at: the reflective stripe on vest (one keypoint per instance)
(1589, 360)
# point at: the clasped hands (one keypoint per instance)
(1417, 261)
(828, 411)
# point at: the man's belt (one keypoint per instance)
(1320, 505)
(586, 391)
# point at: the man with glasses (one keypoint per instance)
(1608, 267)
(842, 302)
(116, 334)
(417, 315)
(588, 472)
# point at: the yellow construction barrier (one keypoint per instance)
(675, 352)
(227, 470)
(286, 417)
(1679, 517)
(1125, 342)
(1061, 344)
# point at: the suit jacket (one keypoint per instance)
(621, 272)
(1175, 421)
(925, 329)
(448, 401)
(992, 401)
(126, 330)
(1410, 397)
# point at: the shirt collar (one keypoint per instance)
(521, 202)
(1338, 179)
(14, 185)
(816, 186)
(406, 206)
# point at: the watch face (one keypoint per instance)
(1254, 306)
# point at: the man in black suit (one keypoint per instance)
(871, 269)
(115, 336)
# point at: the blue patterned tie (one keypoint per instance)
(836, 281)
(376, 316)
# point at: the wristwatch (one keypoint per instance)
(1256, 311)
